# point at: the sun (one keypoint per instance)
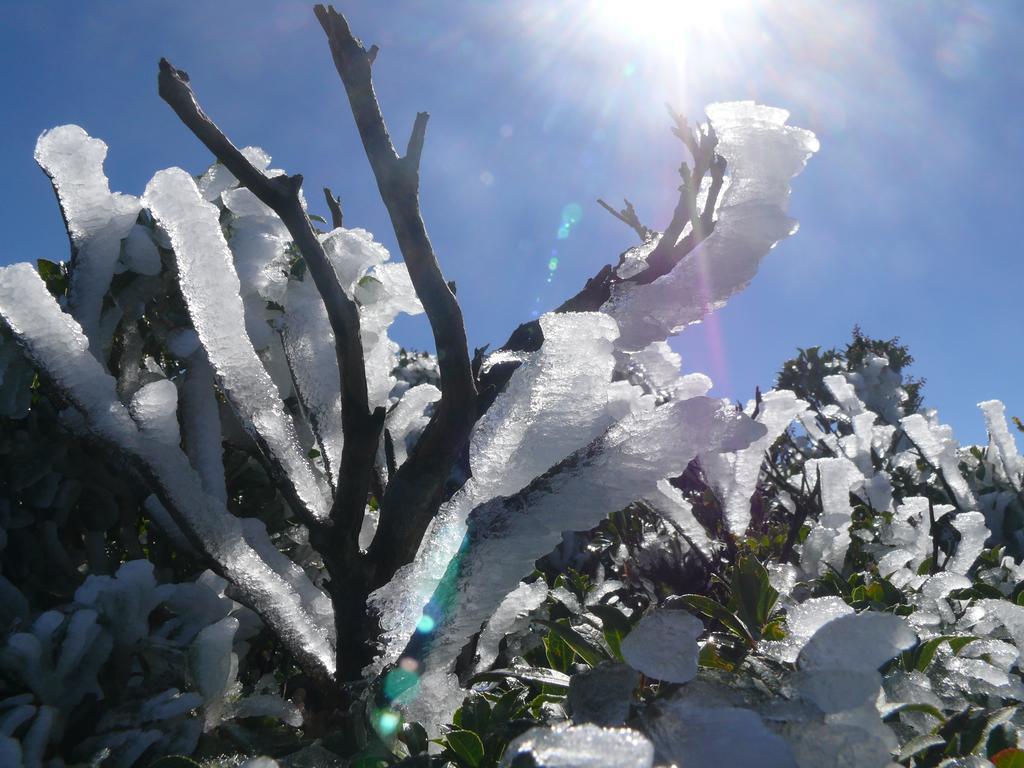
(670, 21)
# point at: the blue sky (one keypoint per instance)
(909, 213)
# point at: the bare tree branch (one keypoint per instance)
(334, 204)
(416, 489)
(628, 216)
(281, 194)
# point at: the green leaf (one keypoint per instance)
(55, 276)
(534, 675)
(718, 612)
(710, 657)
(586, 650)
(475, 713)
(467, 747)
(313, 454)
(614, 625)
(926, 651)
(559, 655)
(919, 744)
(320, 219)
(889, 713)
(752, 593)
(414, 736)
(511, 705)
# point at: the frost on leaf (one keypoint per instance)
(508, 534)
(603, 694)
(154, 407)
(733, 476)
(211, 288)
(802, 621)
(409, 418)
(214, 665)
(125, 600)
(309, 341)
(763, 154)
(581, 746)
(664, 645)
(201, 427)
(687, 734)
(97, 220)
(829, 538)
(862, 642)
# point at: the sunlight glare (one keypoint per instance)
(670, 21)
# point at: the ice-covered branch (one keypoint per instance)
(415, 492)
(210, 287)
(146, 434)
(96, 219)
(721, 229)
(281, 194)
(508, 534)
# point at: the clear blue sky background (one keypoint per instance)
(910, 214)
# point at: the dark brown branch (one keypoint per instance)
(628, 216)
(415, 491)
(334, 205)
(281, 194)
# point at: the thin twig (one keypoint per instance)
(628, 216)
(334, 205)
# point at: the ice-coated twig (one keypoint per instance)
(96, 219)
(210, 287)
(415, 492)
(555, 403)
(281, 193)
(733, 476)
(754, 143)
